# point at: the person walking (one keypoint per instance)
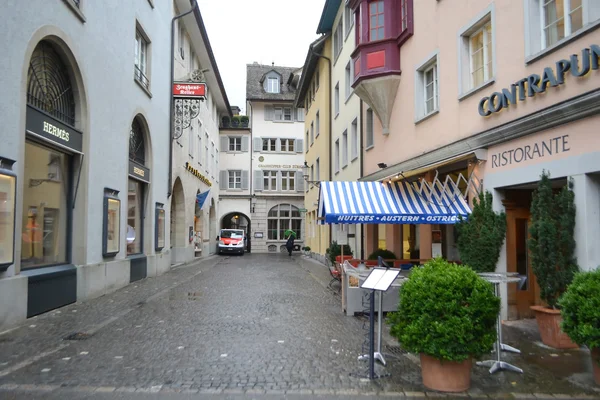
(290, 244)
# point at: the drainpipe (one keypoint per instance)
(360, 146)
(171, 81)
(330, 128)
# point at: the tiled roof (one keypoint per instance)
(255, 89)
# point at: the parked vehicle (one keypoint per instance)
(231, 241)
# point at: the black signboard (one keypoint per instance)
(139, 172)
(45, 126)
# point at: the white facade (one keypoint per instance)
(110, 91)
(346, 143)
(196, 148)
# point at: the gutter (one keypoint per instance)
(361, 161)
(171, 80)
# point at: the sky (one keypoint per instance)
(265, 31)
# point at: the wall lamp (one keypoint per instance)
(382, 165)
(253, 202)
(305, 175)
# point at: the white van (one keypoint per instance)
(232, 241)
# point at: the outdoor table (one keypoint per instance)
(496, 278)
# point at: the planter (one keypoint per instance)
(446, 376)
(596, 364)
(549, 321)
(339, 259)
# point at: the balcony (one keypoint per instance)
(381, 28)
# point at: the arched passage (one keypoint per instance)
(198, 227)
(178, 233)
(237, 220)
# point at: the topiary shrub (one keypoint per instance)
(480, 237)
(580, 309)
(551, 242)
(244, 120)
(336, 250)
(447, 312)
(225, 121)
(235, 121)
(385, 254)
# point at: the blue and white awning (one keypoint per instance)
(390, 203)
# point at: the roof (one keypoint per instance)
(255, 74)
(310, 65)
(330, 10)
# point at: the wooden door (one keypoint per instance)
(521, 295)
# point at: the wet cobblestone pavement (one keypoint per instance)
(227, 327)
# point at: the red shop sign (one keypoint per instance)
(189, 89)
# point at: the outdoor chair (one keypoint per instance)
(335, 274)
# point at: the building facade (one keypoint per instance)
(84, 155)
(314, 95)
(196, 142)
(490, 94)
(275, 179)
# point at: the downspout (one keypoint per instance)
(361, 161)
(171, 81)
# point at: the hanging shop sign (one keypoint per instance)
(189, 90)
(197, 173)
(41, 124)
(534, 83)
(139, 172)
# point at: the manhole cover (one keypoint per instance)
(396, 350)
(78, 336)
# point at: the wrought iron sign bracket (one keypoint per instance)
(185, 110)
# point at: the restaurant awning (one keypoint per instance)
(390, 203)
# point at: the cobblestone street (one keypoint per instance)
(224, 327)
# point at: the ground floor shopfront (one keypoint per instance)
(271, 216)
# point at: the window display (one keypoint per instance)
(111, 241)
(7, 217)
(134, 217)
(160, 227)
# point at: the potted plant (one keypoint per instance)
(225, 121)
(480, 237)
(335, 252)
(235, 121)
(306, 250)
(244, 120)
(552, 246)
(580, 310)
(385, 254)
(447, 314)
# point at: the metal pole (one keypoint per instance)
(379, 322)
(372, 336)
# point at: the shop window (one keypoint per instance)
(135, 195)
(7, 213)
(45, 207)
(139, 176)
(159, 223)
(111, 223)
(281, 218)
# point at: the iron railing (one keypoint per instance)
(141, 77)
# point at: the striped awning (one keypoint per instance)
(390, 203)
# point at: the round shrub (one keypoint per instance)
(580, 309)
(385, 254)
(446, 311)
(336, 250)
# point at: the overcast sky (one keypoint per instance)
(265, 31)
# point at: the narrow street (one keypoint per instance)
(225, 326)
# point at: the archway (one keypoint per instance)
(178, 234)
(237, 220)
(198, 228)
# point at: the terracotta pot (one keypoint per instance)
(446, 376)
(596, 364)
(549, 321)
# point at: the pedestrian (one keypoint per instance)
(290, 244)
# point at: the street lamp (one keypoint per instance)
(305, 175)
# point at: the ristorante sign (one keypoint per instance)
(193, 90)
(534, 83)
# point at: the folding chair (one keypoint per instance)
(335, 275)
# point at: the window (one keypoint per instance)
(337, 98)
(300, 114)
(283, 114)
(206, 159)
(318, 124)
(270, 180)
(338, 41)
(318, 168)
(235, 180)
(272, 85)
(336, 156)
(192, 62)
(404, 15)
(235, 144)
(312, 133)
(312, 172)
(269, 144)
(561, 18)
(199, 150)
(348, 79)
(376, 17)
(476, 52)
(480, 54)
(344, 148)
(135, 197)
(141, 59)
(317, 78)
(348, 19)
(281, 218)
(354, 140)
(307, 146)
(213, 164)
(191, 143)
(427, 92)
(181, 41)
(287, 145)
(370, 139)
(288, 179)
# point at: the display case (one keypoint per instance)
(8, 181)
(159, 223)
(111, 225)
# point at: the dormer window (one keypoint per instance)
(272, 85)
(376, 20)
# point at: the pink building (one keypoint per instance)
(485, 94)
